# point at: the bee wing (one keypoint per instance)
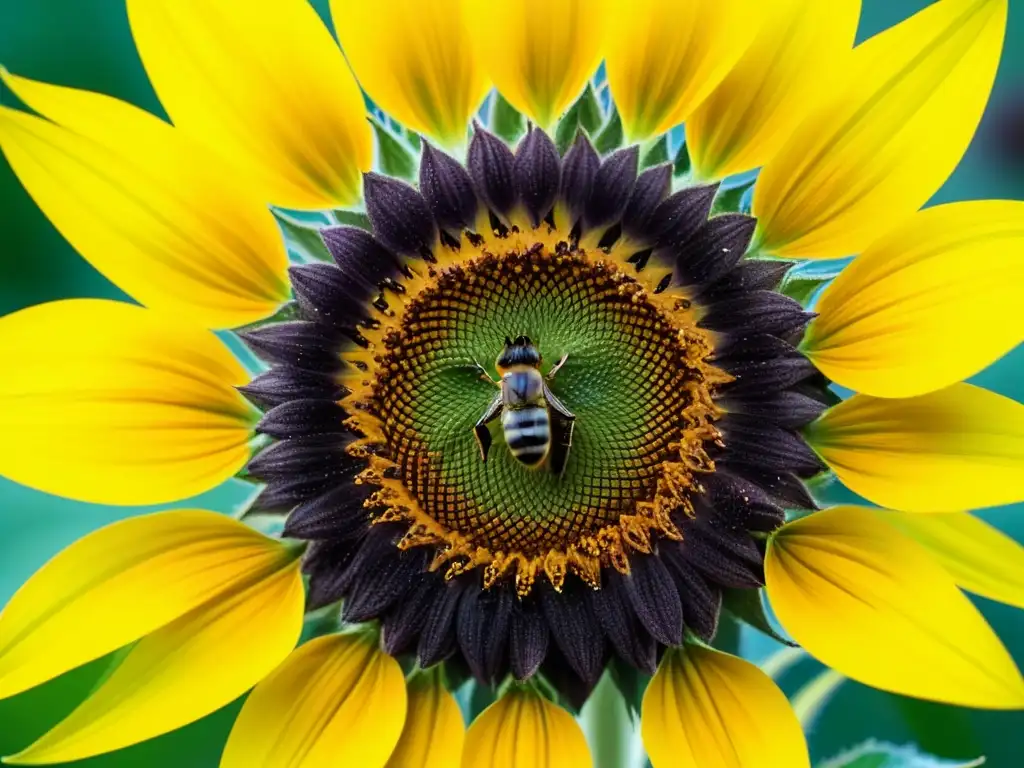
(562, 423)
(557, 405)
(480, 430)
(561, 442)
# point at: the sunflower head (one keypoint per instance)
(529, 396)
(544, 403)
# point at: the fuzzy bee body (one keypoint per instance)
(535, 424)
(524, 417)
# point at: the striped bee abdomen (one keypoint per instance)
(527, 433)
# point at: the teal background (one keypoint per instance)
(86, 43)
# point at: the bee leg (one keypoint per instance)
(485, 376)
(557, 366)
(480, 430)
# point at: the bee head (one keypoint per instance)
(521, 351)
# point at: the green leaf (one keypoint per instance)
(393, 155)
(747, 605)
(877, 754)
(656, 153)
(353, 219)
(506, 121)
(782, 661)
(611, 135)
(811, 699)
(302, 239)
(585, 114)
(114, 661)
(681, 163)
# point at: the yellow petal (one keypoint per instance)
(664, 57)
(795, 58)
(522, 729)
(121, 583)
(264, 84)
(947, 279)
(151, 210)
(961, 447)
(978, 557)
(873, 154)
(337, 700)
(539, 54)
(707, 708)
(433, 733)
(415, 60)
(873, 605)
(116, 404)
(183, 671)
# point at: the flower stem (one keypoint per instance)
(608, 726)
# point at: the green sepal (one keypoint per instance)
(285, 313)
(456, 675)
(655, 154)
(804, 281)
(393, 154)
(257, 445)
(412, 138)
(631, 684)
(878, 754)
(732, 200)
(302, 239)
(322, 621)
(681, 162)
(727, 635)
(353, 219)
(590, 114)
(584, 114)
(802, 289)
(611, 135)
(506, 121)
(544, 687)
(472, 697)
(747, 605)
(268, 523)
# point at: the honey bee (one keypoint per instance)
(536, 425)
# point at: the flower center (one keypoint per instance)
(634, 377)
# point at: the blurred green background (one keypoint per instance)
(87, 44)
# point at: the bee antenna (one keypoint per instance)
(508, 342)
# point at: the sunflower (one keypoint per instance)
(544, 414)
